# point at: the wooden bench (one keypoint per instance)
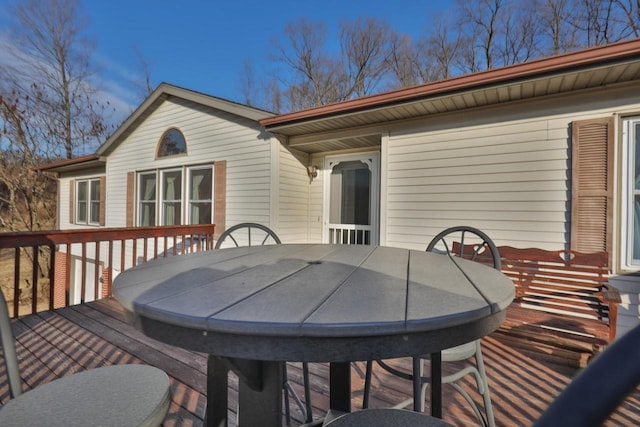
(564, 307)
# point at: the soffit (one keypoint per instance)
(451, 101)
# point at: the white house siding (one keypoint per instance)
(211, 135)
(293, 196)
(504, 170)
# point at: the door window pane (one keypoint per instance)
(350, 194)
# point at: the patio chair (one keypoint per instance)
(588, 401)
(247, 234)
(469, 243)
(253, 234)
(117, 395)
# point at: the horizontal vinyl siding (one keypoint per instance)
(293, 203)
(505, 170)
(316, 212)
(211, 135)
(508, 179)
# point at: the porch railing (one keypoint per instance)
(97, 255)
(350, 234)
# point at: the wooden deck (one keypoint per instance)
(56, 343)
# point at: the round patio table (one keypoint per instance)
(252, 308)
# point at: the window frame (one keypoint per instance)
(152, 202)
(163, 203)
(86, 205)
(185, 201)
(190, 201)
(160, 148)
(629, 136)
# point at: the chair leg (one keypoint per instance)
(307, 392)
(285, 388)
(367, 384)
(488, 407)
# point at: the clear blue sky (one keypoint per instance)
(202, 44)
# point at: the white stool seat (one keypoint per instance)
(118, 395)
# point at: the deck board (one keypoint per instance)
(56, 343)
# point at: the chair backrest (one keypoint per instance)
(466, 242)
(247, 234)
(600, 388)
(9, 349)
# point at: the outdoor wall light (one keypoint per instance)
(312, 171)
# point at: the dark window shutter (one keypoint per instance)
(592, 185)
(72, 201)
(103, 192)
(219, 196)
(130, 198)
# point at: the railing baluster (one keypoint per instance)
(110, 261)
(134, 256)
(96, 274)
(67, 276)
(16, 283)
(34, 279)
(52, 275)
(83, 268)
(155, 247)
(123, 250)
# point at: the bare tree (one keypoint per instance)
(480, 21)
(51, 64)
(365, 51)
(27, 199)
(48, 107)
(405, 61)
(442, 46)
(557, 25)
(315, 77)
(630, 16)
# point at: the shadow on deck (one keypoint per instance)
(57, 343)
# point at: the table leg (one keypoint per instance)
(436, 384)
(340, 386)
(262, 406)
(217, 389)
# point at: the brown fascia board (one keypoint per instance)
(76, 163)
(68, 162)
(539, 67)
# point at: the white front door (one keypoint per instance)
(351, 202)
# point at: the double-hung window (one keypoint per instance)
(200, 195)
(171, 182)
(631, 198)
(176, 196)
(88, 201)
(147, 196)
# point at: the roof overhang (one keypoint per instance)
(91, 162)
(313, 130)
(166, 91)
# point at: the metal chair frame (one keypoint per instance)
(458, 353)
(229, 234)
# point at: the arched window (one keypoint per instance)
(172, 143)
